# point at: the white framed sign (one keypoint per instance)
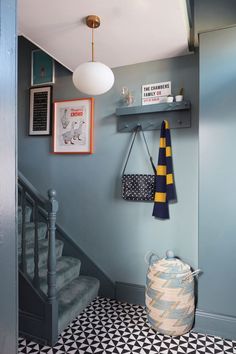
(155, 93)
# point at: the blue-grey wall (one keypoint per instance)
(217, 192)
(115, 233)
(212, 14)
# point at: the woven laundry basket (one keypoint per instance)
(170, 299)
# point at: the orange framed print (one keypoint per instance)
(73, 126)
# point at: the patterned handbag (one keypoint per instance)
(138, 187)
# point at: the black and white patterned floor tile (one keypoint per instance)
(108, 326)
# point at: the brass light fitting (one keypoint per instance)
(93, 21)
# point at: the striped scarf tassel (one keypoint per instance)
(164, 184)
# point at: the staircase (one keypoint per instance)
(52, 291)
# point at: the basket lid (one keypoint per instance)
(171, 264)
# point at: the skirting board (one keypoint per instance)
(217, 325)
(131, 293)
(208, 323)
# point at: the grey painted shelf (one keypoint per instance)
(150, 117)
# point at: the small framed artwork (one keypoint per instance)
(40, 110)
(73, 126)
(42, 68)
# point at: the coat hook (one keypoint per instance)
(126, 126)
(138, 126)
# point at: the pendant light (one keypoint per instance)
(93, 78)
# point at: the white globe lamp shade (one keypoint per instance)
(93, 78)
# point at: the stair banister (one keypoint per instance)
(52, 211)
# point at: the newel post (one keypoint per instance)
(51, 279)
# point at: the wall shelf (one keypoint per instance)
(151, 116)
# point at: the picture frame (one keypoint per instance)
(40, 110)
(42, 68)
(73, 126)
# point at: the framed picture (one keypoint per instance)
(42, 68)
(40, 110)
(73, 126)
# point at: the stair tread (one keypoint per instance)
(67, 269)
(74, 298)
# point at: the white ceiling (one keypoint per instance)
(131, 31)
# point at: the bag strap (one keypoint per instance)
(151, 160)
(131, 147)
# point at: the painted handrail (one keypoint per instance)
(32, 191)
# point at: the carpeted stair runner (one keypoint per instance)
(74, 292)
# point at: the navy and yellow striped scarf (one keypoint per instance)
(164, 184)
